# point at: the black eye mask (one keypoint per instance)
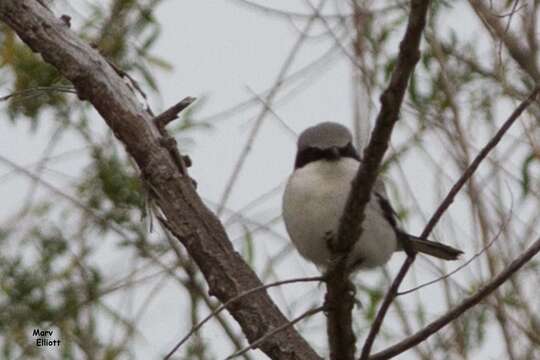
(311, 154)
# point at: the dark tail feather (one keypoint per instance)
(435, 249)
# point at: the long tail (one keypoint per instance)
(433, 248)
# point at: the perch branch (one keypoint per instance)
(339, 299)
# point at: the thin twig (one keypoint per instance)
(513, 43)
(263, 338)
(476, 162)
(462, 266)
(161, 121)
(392, 291)
(260, 199)
(388, 298)
(282, 122)
(189, 268)
(336, 39)
(232, 300)
(465, 305)
(285, 13)
(506, 29)
(269, 99)
(171, 113)
(99, 218)
(39, 90)
(41, 166)
(514, 10)
(310, 71)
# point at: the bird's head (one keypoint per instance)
(326, 141)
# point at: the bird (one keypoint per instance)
(315, 197)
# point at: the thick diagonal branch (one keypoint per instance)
(188, 218)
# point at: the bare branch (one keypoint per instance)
(188, 218)
(264, 110)
(172, 113)
(285, 13)
(516, 49)
(233, 300)
(476, 162)
(391, 99)
(465, 305)
(38, 90)
(392, 291)
(341, 336)
(462, 266)
(275, 331)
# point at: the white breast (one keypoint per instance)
(313, 202)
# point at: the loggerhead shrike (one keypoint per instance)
(316, 194)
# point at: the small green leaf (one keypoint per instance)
(525, 174)
(247, 249)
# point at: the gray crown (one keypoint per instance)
(324, 136)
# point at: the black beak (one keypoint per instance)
(333, 153)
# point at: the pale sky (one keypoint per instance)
(221, 52)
